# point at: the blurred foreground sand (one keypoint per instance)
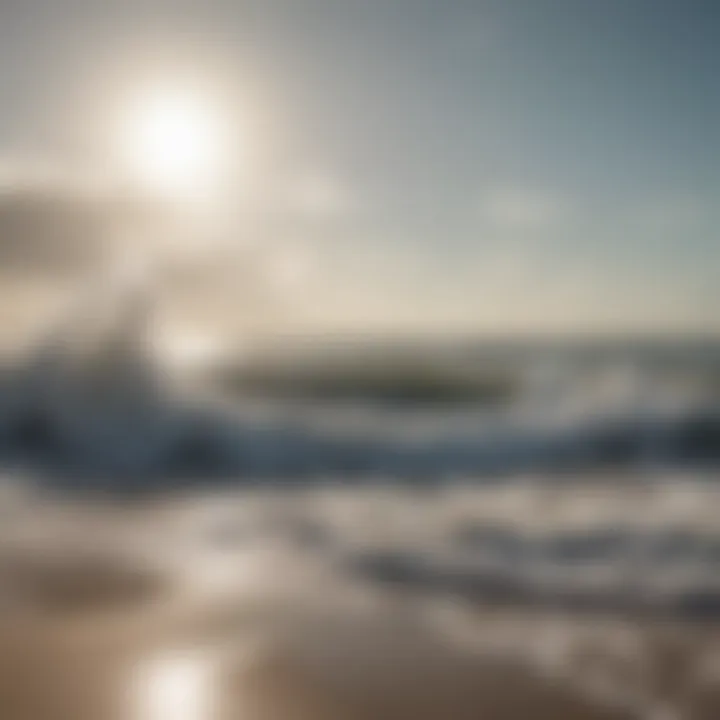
(112, 614)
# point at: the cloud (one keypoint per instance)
(319, 195)
(55, 224)
(522, 209)
(49, 232)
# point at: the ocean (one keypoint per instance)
(362, 529)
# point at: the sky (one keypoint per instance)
(458, 165)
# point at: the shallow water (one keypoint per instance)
(176, 555)
(274, 605)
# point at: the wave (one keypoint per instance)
(96, 406)
(174, 439)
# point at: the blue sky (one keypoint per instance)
(461, 164)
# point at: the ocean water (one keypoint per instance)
(424, 530)
(364, 411)
(580, 474)
(594, 599)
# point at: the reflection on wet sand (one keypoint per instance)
(155, 612)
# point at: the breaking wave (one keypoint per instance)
(102, 408)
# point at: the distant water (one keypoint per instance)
(589, 482)
(360, 412)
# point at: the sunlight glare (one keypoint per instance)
(177, 686)
(174, 143)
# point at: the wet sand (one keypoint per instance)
(125, 614)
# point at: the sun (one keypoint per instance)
(173, 142)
